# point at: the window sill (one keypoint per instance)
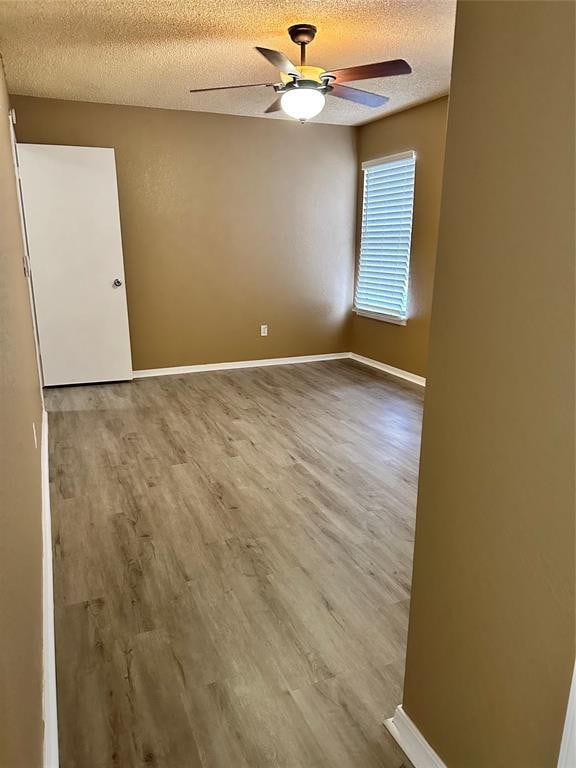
(380, 316)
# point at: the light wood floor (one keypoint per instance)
(232, 567)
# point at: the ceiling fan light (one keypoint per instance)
(303, 103)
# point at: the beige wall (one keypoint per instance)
(20, 489)
(491, 640)
(227, 223)
(423, 129)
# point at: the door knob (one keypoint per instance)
(117, 283)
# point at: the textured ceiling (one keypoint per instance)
(151, 53)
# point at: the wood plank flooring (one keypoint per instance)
(232, 560)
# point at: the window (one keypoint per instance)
(382, 279)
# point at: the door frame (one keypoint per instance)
(26, 266)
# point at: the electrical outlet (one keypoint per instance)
(263, 330)
(34, 432)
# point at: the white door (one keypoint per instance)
(73, 228)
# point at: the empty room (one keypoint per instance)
(287, 389)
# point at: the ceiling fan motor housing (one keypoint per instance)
(308, 73)
(299, 85)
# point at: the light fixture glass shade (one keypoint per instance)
(303, 103)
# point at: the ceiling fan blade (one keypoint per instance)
(368, 71)
(275, 106)
(227, 87)
(279, 61)
(360, 97)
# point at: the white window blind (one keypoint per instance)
(382, 278)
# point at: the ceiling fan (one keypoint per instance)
(303, 88)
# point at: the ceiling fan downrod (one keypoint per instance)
(302, 35)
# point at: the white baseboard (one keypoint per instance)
(207, 367)
(411, 741)
(49, 707)
(238, 364)
(398, 372)
(567, 758)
